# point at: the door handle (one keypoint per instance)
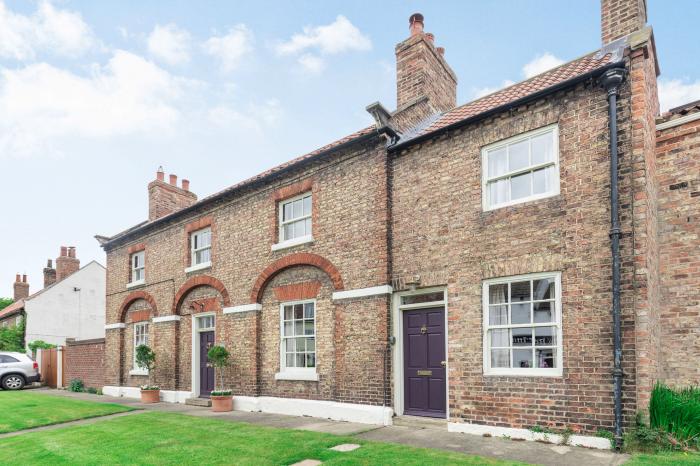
(443, 363)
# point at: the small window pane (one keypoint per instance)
(307, 205)
(500, 338)
(309, 310)
(287, 214)
(546, 358)
(290, 360)
(500, 358)
(298, 328)
(288, 329)
(288, 312)
(520, 313)
(310, 360)
(300, 362)
(298, 208)
(545, 336)
(542, 148)
(310, 344)
(289, 231)
(522, 336)
(522, 358)
(298, 311)
(498, 192)
(498, 315)
(541, 180)
(423, 298)
(518, 155)
(309, 327)
(543, 289)
(299, 229)
(544, 312)
(520, 291)
(497, 162)
(290, 345)
(520, 186)
(498, 293)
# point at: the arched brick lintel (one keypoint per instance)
(133, 296)
(300, 258)
(195, 282)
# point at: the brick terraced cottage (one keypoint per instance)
(472, 263)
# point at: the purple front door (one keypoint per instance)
(424, 362)
(206, 372)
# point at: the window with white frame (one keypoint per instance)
(140, 338)
(295, 218)
(298, 331)
(200, 243)
(138, 267)
(522, 168)
(522, 325)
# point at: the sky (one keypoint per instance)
(95, 96)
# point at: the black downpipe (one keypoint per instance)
(611, 81)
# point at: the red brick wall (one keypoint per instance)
(678, 176)
(621, 17)
(85, 360)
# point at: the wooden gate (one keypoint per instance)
(51, 366)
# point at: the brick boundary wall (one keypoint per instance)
(85, 361)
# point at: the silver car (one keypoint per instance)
(17, 370)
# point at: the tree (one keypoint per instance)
(4, 302)
(39, 344)
(219, 358)
(12, 337)
(146, 358)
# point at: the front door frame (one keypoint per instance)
(397, 331)
(195, 349)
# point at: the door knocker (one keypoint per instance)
(424, 330)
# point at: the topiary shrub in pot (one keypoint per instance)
(146, 358)
(221, 399)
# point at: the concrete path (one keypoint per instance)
(429, 435)
(79, 422)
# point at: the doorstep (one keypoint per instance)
(204, 402)
(420, 422)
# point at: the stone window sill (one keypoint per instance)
(292, 242)
(135, 284)
(138, 372)
(195, 268)
(310, 376)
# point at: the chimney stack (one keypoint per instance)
(21, 287)
(166, 198)
(49, 274)
(621, 17)
(66, 263)
(425, 83)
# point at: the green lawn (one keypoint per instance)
(664, 459)
(24, 409)
(167, 438)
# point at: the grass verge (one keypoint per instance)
(23, 410)
(168, 438)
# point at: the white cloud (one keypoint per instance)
(676, 92)
(337, 37)
(42, 104)
(170, 44)
(255, 119)
(230, 48)
(60, 32)
(311, 63)
(540, 64)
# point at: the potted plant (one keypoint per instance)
(146, 358)
(221, 399)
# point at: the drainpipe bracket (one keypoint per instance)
(612, 79)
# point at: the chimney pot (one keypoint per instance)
(71, 251)
(160, 174)
(173, 180)
(185, 184)
(20, 288)
(64, 251)
(49, 264)
(24, 278)
(430, 36)
(441, 51)
(415, 24)
(18, 279)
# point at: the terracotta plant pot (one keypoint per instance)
(221, 404)
(150, 396)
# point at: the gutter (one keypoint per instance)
(508, 106)
(107, 243)
(611, 81)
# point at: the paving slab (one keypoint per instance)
(307, 463)
(419, 435)
(346, 447)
